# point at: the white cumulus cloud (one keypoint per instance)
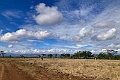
(9, 37)
(47, 15)
(118, 46)
(105, 24)
(83, 32)
(113, 46)
(31, 34)
(105, 35)
(10, 46)
(22, 33)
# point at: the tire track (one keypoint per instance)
(8, 72)
(1, 70)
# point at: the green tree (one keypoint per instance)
(111, 53)
(102, 55)
(117, 57)
(73, 56)
(86, 54)
(82, 54)
(43, 55)
(50, 55)
(77, 55)
(67, 55)
(108, 55)
(62, 55)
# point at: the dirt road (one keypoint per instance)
(7, 72)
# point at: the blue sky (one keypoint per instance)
(59, 26)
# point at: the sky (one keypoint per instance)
(59, 26)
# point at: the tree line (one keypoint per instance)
(109, 54)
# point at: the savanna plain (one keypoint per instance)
(63, 69)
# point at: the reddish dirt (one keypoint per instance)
(7, 72)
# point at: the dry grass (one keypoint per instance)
(79, 67)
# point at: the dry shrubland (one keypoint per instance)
(81, 67)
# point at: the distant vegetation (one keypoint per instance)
(109, 54)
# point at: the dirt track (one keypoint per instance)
(7, 72)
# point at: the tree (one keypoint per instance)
(43, 55)
(2, 53)
(62, 55)
(86, 54)
(22, 56)
(102, 55)
(77, 55)
(73, 56)
(10, 56)
(50, 55)
(55, 55)
(110, 53)
(83, 54)
(67, 55)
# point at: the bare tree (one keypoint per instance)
(2, 53)
(22, 56)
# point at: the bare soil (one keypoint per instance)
(7, 72)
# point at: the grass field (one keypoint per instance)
(79, 67)
(98, 69)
